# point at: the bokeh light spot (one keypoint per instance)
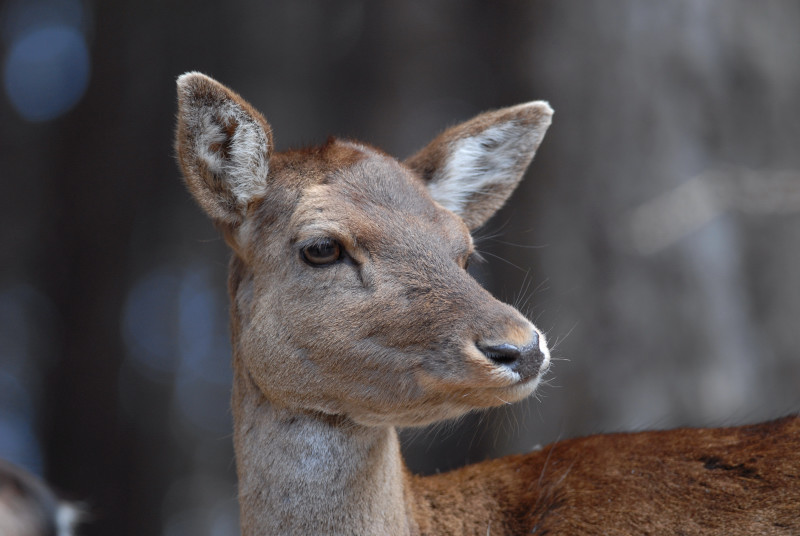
(46, 72)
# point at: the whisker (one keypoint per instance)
(560, 339)
(523, 246)
(483, 252)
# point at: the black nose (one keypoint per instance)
(526, 360)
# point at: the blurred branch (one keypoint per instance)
(666, 219)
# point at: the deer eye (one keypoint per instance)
(474, 256)
(322, 252)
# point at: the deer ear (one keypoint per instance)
(472, 168)
(223, 145)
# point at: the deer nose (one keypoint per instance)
(526, 360)
(502, 354)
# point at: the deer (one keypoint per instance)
(353, 314)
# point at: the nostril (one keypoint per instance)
(502, 354)
(526, 361)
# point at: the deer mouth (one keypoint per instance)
(492, 396)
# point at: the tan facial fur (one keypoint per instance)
(389, 335)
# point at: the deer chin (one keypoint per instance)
(444, 401)
(442, 405)
(511, 394)
(492, 396)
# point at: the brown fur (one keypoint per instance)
(733, 481)
(329, 359)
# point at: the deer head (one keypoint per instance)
(349, 289)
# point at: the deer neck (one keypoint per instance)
(306, 473)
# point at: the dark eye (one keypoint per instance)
(322, 252)
(474, 256)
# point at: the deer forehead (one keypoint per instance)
(375, 201)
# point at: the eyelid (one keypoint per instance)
(349, 253)
(308, 242)
(315, 231)
(306, 239)
(473, 256)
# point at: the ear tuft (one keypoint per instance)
(472, 168)
(223, 145)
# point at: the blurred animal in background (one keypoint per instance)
(29, 508)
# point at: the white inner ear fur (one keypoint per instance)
(246, 165)
(496, 155)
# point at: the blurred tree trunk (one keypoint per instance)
(104, 176)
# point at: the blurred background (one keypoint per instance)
(656, 237)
